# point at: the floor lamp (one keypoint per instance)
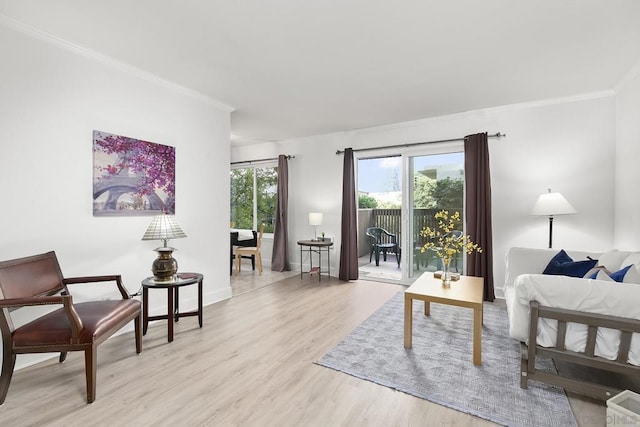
(550, 204)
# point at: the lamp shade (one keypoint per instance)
(550, 204)
(315, 218)
(163, 227)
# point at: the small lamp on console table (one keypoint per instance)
(315, 219)
(550, 204)
(164, 227)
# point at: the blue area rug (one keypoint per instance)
(439, 366)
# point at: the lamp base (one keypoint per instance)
(165, 266)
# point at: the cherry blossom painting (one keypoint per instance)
(132, 177)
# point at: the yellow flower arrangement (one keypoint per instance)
(443, 241)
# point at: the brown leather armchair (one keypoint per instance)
(38, 280)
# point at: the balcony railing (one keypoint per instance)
(391, 220)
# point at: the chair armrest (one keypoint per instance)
(25, 302)
(65, 300)
(394, 237)
(94, 279)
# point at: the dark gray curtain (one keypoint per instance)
(349, 233)
(280, 255)
(478, 209)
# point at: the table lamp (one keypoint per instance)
(163, 227)
(315, 219)
(550, 204)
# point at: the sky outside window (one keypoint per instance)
(382, 175)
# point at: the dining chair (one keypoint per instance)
(241, 251)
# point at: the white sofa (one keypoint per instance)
(590, 301)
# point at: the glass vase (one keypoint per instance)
(446, 272)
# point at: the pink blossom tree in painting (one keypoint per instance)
(132, 176)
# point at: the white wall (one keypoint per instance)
(568, 145)
(627, 172)
(51, 99)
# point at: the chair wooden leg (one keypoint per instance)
(238, 258)
(137, 323)
(259, 256)
(90, 366)
(8, 363)
(524, 366)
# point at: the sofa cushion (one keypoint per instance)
(628, 274)
(631, 258)
(633, 276)
(602, 275)
(613, 260)
(563, 265)
(591, 274)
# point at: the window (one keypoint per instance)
(253, 197)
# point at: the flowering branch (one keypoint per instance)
(444, 241)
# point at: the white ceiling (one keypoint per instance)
(294, 68)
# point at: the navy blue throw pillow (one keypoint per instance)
(618, 276)
(563, 265)
(559, 258)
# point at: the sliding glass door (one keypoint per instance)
(380, 217)
(400, 193)
(436, 183)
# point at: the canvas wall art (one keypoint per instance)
(132, 177)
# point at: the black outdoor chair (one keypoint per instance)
(382, 241)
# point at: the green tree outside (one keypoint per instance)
(367, 202)
(242, 190)
(267, 190)
(449, 193)
(423, 192)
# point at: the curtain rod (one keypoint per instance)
(495, 135)
(262, 160)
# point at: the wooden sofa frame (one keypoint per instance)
(593, 321)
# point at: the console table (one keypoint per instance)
(316, 246)
(173, 313)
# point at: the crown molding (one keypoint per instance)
(489, 110)
(111, 62)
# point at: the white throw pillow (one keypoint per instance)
(613, 260)
(631, 258)
(631, 276)
(602, 275)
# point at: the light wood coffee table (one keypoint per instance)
(466, 292)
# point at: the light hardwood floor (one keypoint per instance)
(250, 365)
